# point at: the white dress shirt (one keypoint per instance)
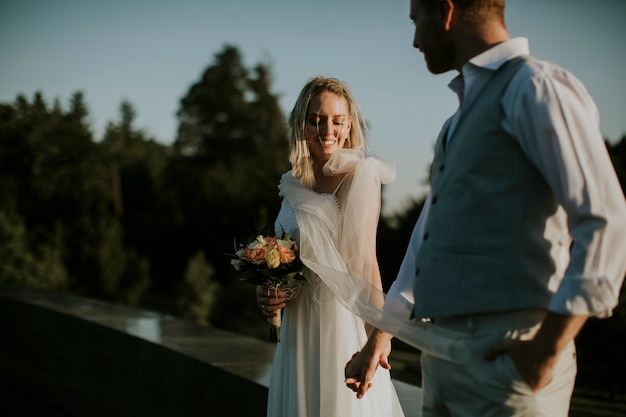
(556, 123)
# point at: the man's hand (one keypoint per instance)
(535, 359)
(534, 365)
(362, 367)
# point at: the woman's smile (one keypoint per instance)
(328, 125)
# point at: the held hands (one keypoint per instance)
(362, 367)
(270, 302)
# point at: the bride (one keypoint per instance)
(331, 207)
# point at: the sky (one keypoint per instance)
(150, 52)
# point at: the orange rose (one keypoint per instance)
(286, 255)
(270, 241)
(254, 255)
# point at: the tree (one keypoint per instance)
(23, 263)
(137, 163)
(394, 233)
(58, 184)
(618, 157)
(198, 291)
(229, 154)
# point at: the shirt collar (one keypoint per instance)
(497, 55)
(490, 60)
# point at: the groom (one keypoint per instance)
(523, 230)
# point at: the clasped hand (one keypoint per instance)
(270, 301)
(361, 368)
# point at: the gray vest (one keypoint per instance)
(488, 238)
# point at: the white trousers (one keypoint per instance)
(481, 388)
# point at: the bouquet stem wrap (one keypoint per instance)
(289, 290)
(275, 323)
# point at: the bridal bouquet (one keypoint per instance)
(273, 262)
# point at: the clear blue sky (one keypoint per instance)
(150, 51)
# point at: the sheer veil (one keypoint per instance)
(326, 233)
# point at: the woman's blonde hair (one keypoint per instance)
(299, 156)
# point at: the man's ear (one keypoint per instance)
(446, 9)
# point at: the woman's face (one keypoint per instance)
(327, 125)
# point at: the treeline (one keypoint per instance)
(128, 219)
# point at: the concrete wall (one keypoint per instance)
(90, 369)
(90, 358)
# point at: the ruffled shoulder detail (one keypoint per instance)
(287, 181)
(351, 160)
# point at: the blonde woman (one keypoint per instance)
(331, 206)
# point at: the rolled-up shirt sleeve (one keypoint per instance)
(556, 122)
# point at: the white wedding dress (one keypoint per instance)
(319, 335)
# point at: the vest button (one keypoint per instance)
(434, 200)
(425, 236)
(441, 167)
(417, 271)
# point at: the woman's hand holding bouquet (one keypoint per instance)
(272, 264)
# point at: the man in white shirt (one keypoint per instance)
(521, 239)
